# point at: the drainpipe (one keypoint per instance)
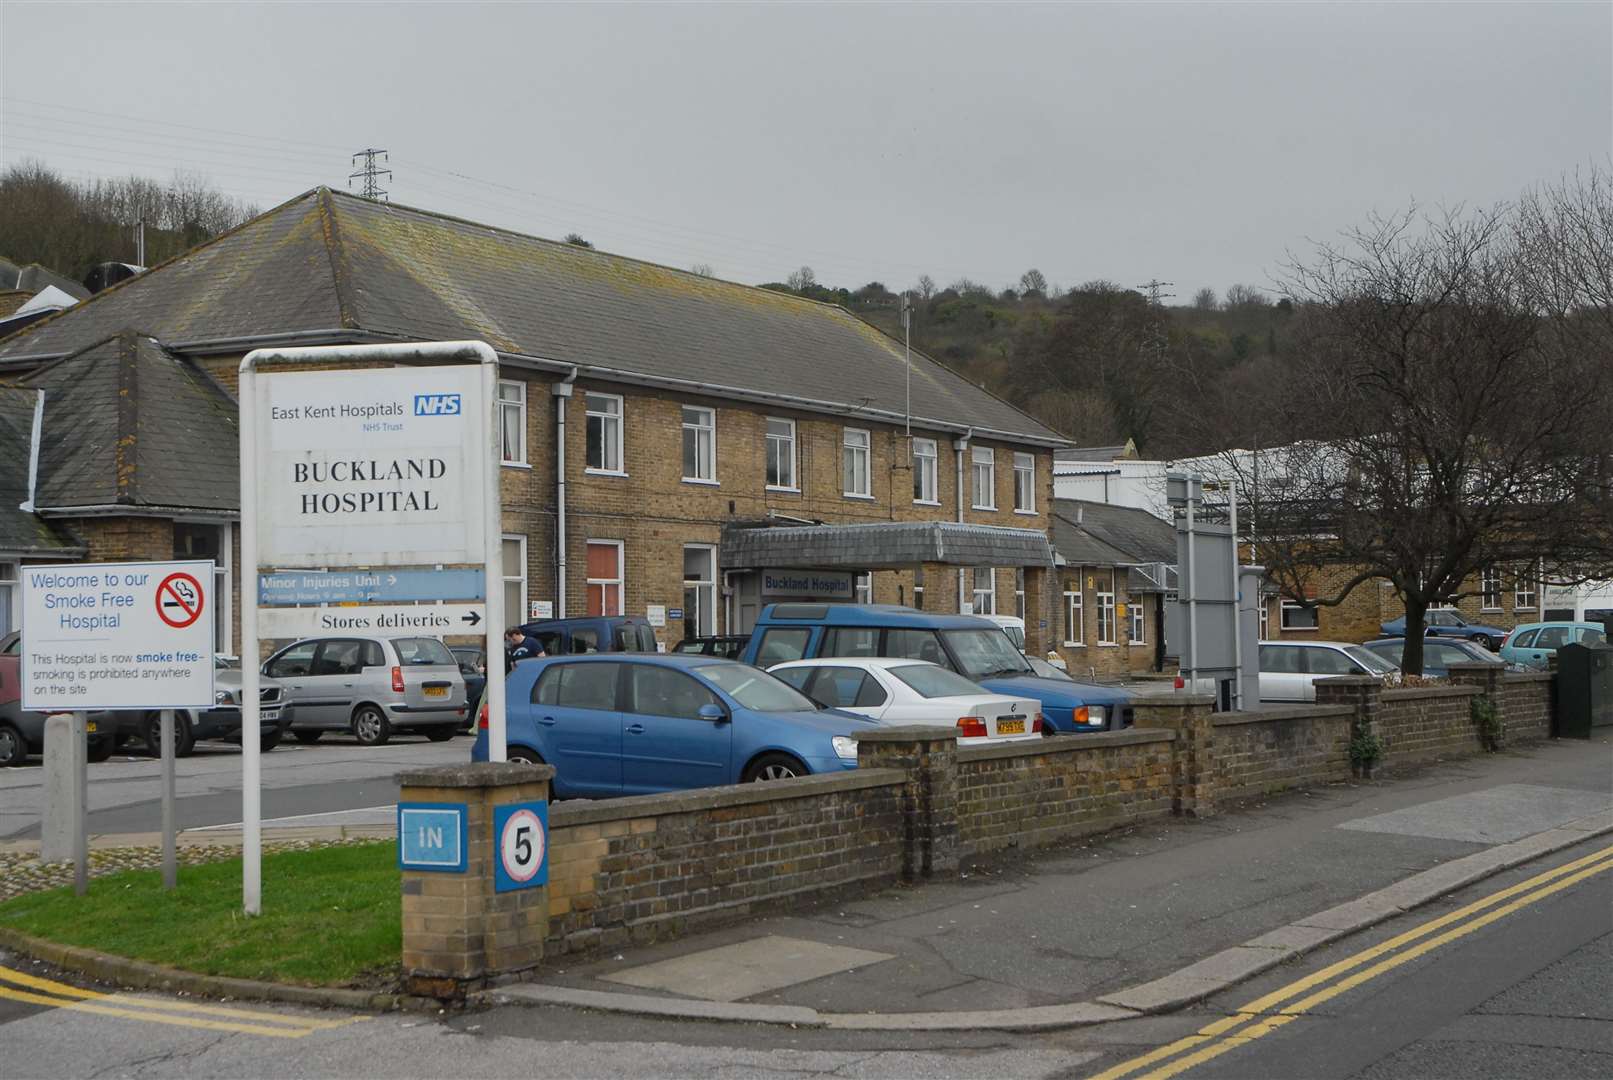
(961, 444)
(33, 452)
(562, 393)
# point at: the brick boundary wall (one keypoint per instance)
(1421, 723)
(1263, 751)
(648, 866)
(1033, 794)
(1526, 706)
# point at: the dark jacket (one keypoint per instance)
(526, 650)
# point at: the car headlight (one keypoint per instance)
(845, 747)
(1095, 714)
(223, 698)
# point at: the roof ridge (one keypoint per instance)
(126, 447)
(335, 251)
(109, 290)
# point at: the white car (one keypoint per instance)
(900, 691)
(1289, 669)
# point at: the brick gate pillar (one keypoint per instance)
(1364, 694)
(460, 931)
(929, 798)
(1191, 717)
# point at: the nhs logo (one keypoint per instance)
(436, 404)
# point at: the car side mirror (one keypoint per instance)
(714, 713)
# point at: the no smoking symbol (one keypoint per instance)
(179, 600)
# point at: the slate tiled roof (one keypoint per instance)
(127, 423)
(22, 532)
(329, 261)
(1101, 534)
(881, 545)
(33, 277)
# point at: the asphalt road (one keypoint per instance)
(125, 793)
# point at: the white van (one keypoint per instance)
(1012, 625)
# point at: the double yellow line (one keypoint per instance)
(1266, 1014)
(32, 990)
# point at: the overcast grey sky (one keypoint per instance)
(1192, 142)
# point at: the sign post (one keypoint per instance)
(124, 636)
(381, 467)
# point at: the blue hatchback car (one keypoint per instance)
(638, 723)
(1443, 622)
(974, 648)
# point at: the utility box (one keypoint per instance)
(1584, 690)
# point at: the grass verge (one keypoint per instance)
(330, 916)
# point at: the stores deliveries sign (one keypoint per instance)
(367, 468)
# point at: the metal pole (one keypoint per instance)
(81, 815)
(493, 549)
(170, 856)
(1237, 605)
(251, 706)
(907, 349)
(1192, 603)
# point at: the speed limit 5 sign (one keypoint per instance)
(520, 846)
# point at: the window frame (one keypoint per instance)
(696, 585)
(606, 445)
(1137, 621)
(1285, 606)
(1108, 616)
(979, 466)
(975, 590)
(695, 428)
(1524, 586)
(10, 595)
(849, 452)
(862, 587)
(520, 614)
(1490, 589)
(926, 472)
(768, 439)
(518, 406)
(1075, 615)
(1025, 467)
(620, 580)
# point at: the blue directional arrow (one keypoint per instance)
(369, 586)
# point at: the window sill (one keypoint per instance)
(1298, 630)
(854, 495)
(515, 464)
(926, 502)
(1108, 644)
(1026, 513)
(604, 472)
(1492, 610)
(784, 490)
(702, 483)
(1138, 643)
(977, 506)
(1075, 644)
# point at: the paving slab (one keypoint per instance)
(1492, 816)
(747, 968)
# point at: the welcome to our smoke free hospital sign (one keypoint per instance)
(370, 468)
(117, 636)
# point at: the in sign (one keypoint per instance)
(431, 836)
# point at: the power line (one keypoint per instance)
(371, 174)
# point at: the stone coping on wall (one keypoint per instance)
(589, 812)
(1412, 693)
(1286, 712)
(476, 774)
(1064, 744)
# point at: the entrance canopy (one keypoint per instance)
(892, 545)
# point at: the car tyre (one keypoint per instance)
(442, 734)
(773, 767)
(307, 738)
(269, 742)
(184, 739)
(100, 750)
(370, 726)
(13, 747)
(522, 754)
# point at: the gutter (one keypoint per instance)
(137, 510)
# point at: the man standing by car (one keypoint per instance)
(519, 646)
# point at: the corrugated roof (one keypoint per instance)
(332, 261)
(129, 424)
(20, 531)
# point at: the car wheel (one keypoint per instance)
(521, 753)
(441, 734)
(307, 738)
(773, 767)
(100, 749)
(269, 742)
(371, 726)
(13, 748)
(184, 740)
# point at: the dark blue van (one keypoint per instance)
(974, 648)
(591, 634)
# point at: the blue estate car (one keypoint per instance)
(1442, 622)
(638, 723)
(974, 648)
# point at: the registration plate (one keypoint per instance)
(436, 691)
(269, 714)
(89, 726)
(1011, 727)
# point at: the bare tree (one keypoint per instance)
(1246, 296)
(703, 269)
(1204, 299)
(1459, 419)
(926, 286)
(802, 279)
(576, 240)
(1031, 282)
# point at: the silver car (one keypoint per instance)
(371, 687)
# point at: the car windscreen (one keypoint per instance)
(985, 653)
(929, 681)
(1371, 660)
(755, 689)
(1045, 670)
(422, 651)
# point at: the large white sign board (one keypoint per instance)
(372, 467)
(117, 636)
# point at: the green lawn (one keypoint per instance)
(328, 915)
